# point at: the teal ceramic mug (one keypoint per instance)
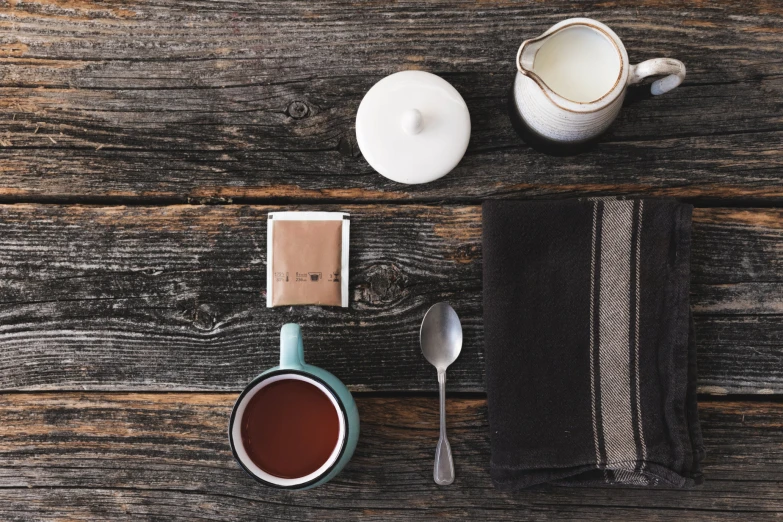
(293, 367)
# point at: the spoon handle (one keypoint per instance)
(444, 464)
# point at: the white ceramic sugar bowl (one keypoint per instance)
(413, 127)
(572, 80)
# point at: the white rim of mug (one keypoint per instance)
(238, 445)
(592, 24)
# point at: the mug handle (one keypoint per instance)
(674, 69)
(291, 347)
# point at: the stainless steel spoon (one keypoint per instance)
(441, 343)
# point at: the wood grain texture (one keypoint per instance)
(221, 100)
(107, 101)
(173, 297)
(83, 456)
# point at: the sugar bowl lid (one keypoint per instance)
(413, 127)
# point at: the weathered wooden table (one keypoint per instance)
(143, 143)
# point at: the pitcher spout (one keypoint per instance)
(526, 56)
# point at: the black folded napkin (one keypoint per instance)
(589, 347)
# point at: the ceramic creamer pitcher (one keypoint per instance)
(572, 80)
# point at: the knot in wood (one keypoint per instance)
(298, 110)
(385, 284)
(203, 319)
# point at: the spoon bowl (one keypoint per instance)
(441, 336)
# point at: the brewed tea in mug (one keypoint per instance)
(290, 428)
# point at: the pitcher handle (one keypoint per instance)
(291, 347)
(674, 69)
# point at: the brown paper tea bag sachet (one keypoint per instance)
(307, 258)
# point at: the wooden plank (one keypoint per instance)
(165, 456)
(236, 99)
(173, 298)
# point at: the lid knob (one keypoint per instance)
(411, 121)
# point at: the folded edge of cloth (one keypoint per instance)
(591, 365)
